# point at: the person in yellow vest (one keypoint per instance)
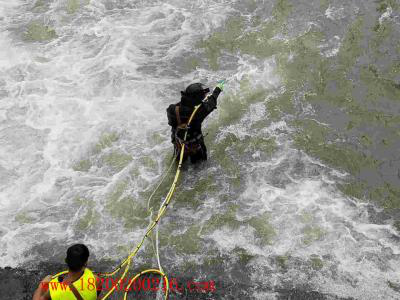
(79, 283)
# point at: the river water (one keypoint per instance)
(301, 190)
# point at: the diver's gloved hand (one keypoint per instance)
(221, 84)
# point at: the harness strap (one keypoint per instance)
(191, 145)
(194, 139)
(178, 117)
(75, 291)
(72, 287)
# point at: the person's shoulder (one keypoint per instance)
(171, 108)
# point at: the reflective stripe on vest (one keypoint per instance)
(84, 285)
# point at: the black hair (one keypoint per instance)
(77, 256)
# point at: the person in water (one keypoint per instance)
(79, 283)
(178, 116)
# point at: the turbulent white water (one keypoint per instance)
(82, 116)
(61, 96)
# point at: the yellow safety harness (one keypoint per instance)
(128, 260)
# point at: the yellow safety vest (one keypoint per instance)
(86, 287)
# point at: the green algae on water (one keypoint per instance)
(316, 262)
(300, 64)
(316, 140)
(282, 261)
(118, 191)
(188, 242)
(130, 211)
(383, 5)
(264, 231)
(90, 219)
(379, 87)
(73, 6)
(38, 32)
(242, 255)
(222, 40)
(106, 140)
(191, 63)
(204, 187)
(156, 138)
(306, 217)
(117, 160)
(396, 224)
(354, 189)
(40, 6)
(114, 159)
(350, 48)
(312, 233)
(324, 4)
(24, 218)
(252, 144)
(386, 195)
(234, 37)
(227, 218)
(229, 113)
(279, 106)
(82, 165)
(149, 162)
(282, 10)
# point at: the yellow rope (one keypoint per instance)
(144, 272)
(161, 212)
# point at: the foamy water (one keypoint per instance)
(83, 135)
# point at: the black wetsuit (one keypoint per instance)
(194, 132)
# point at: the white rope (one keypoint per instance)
(162, 180)
(159, 293)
